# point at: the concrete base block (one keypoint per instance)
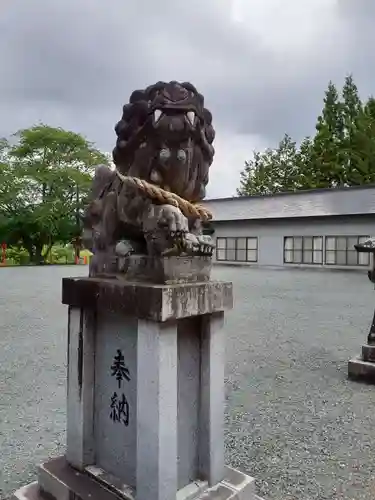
(358, 369)
(57, 480)
(29, 492)
(241, 486)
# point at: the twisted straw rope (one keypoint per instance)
(166, 197)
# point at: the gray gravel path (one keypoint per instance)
(293, 420)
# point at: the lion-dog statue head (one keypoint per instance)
(165, 137)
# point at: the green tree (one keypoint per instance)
(351, 106)
(327, 159)
(351, 112)
(45, 176)
(256, 177)
(306, 175)
(342, 152)
(272, 171)
(285, 159)
(361, 167)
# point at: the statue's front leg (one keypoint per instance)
(164, 227)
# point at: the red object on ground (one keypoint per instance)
(77, 259)
(85, 260)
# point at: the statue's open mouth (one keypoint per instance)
(173, 120)
(190, 116)
(174, 125)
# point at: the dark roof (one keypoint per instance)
(310, 203)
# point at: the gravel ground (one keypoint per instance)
(293, 420)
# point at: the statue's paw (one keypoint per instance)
(191, 241)
(173, 219)
(195, 241)
(206, 240)
(198, 244)
(124, 248)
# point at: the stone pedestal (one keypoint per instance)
(363, 367)
(145, 395)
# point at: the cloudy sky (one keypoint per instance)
(262, 65)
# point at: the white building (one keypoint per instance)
(306, 228)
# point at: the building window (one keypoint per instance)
(237, 249)
(340, 251)
(221, 249)
(252, 249)
(303, 250)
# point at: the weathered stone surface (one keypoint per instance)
(358, 369)
(192, 490)
(241, 483)
(218, 492)
(111, 482)
(166, 270)
(147, 301)
(368, 353)
(59, 481)
(28, 492)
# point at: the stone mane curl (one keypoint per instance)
(165, 136)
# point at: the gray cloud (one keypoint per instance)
(74, 63)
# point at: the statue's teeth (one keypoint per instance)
(155, 177)
(191, 116)
(157, 115)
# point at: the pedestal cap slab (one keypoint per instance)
(148, 301)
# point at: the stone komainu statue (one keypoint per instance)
(150, 203)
